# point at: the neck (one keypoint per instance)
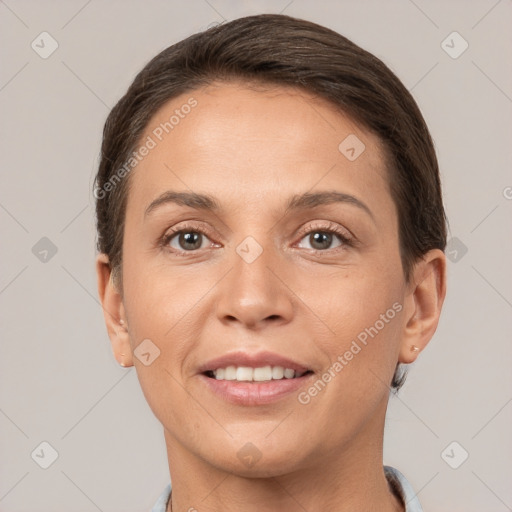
(349, 478)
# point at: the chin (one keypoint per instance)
(260, 458)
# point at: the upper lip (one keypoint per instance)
(256, 360)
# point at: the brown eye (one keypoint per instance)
(186, 240)
(323, 239)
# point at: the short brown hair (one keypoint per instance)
(284, 51)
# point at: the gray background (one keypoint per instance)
(59, 382)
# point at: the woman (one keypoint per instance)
(271, 234)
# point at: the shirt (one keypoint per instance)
(396, 480)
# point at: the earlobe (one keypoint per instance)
(113, 312)
(425, 301)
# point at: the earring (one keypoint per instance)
(414, 348)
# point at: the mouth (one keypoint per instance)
(254, 379)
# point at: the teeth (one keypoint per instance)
(289, 374)
(229, 373)
(277, 372)
(262, 374)
(248, 374)
(244, 373)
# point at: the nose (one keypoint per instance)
(254, 294)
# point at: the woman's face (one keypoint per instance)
(297, 266)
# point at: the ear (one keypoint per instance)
(113, 312)
(424, 301)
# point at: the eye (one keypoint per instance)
(186, 239)
(322, 238)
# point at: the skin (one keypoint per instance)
(252, 148)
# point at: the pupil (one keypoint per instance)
(191, 238)
(322, 238)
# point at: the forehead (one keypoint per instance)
(257, 139)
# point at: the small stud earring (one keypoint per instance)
(414, 348)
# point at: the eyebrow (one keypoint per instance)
(190, 199)
(312, 200)
(297, 202)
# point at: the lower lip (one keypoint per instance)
(254, 393)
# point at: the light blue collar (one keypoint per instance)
(403, 488)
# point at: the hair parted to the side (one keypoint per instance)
(283, 51)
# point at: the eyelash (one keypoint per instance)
(191, 228)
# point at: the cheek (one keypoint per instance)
(157, 296)
(363, 310)
(162, 308)
(361, 347)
